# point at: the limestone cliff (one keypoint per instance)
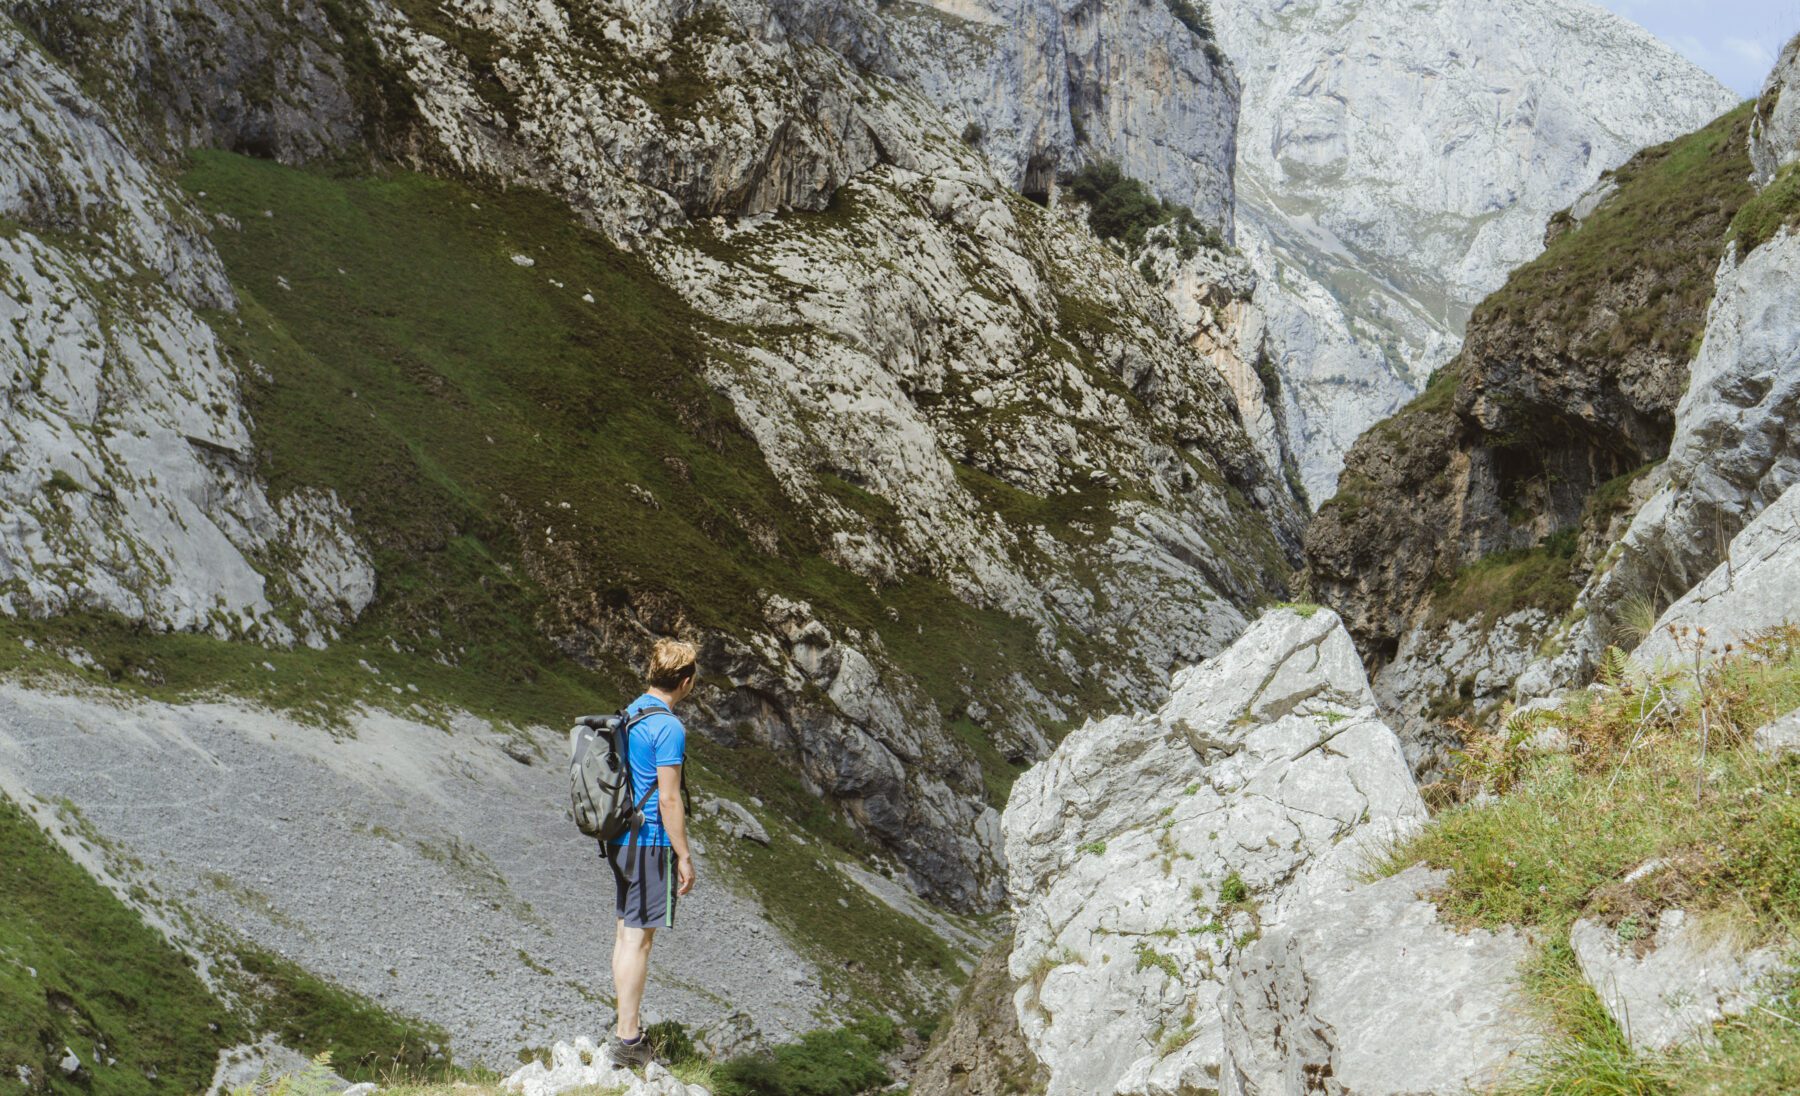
(1397, 160)
(1490, 498)
(954, 413)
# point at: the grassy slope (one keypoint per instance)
(458, 401)
(78, 969)
(385, 383)
(1566, 827)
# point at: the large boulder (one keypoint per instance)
(1146, 852)
(1368, 988)
(1756, 588)
(1669, 986)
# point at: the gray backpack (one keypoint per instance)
(600, 791)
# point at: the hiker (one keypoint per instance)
(652, 868)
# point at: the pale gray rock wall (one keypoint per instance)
(1757, 587)
(1463, 665)
(127, 478)
(1734, 453)
(1367, 988)
(1051, 83)
(238, 74)
(1396, 160)
(1775, 130)
(1267, 767)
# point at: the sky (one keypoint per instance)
(1735, 40)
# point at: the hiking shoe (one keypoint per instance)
(628, 1055)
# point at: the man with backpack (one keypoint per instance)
(651, 864)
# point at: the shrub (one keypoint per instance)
(837, 1062)
(1193, 16)
(1122, 208)
(973, 133)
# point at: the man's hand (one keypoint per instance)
(684, 875)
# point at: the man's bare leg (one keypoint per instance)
(631, 968)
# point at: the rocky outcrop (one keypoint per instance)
(128, 480)
(1454, 666)
(583, 1065)
(1397, 160)
(1755, 589)
(1568, 383)
(1669, 983)
(1148, 851)
(1734, 454)
(1779, 737)
(1040, 87)
(283, 83)
(979, 1050)
(1775, 131)
(1367, 988)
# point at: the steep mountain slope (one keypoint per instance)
(1463, 526)
(476, 343)
(1005, 440)
(1395, 161)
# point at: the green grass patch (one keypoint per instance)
(1563, 829)
(308, 1013)
(1775, 208)
(105, 985)
(1665, 226)
(1570, 824)
(835, 1062)
(1507, 582)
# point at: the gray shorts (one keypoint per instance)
(643, 884)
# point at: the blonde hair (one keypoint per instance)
(671, 661)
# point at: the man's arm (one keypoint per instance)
(674, 821)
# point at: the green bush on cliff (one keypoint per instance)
(1122, 208)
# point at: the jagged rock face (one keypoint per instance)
(1775, 131)
(1145, 852)
(127, 483)
(1756, 588)
(1454, 665)
(1365, 992)
(1048, 84)
(1734, 453)
(926, 348)
(234, 74)
(1397, 160)
(1568, 381)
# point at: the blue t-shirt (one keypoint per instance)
(656, 740)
